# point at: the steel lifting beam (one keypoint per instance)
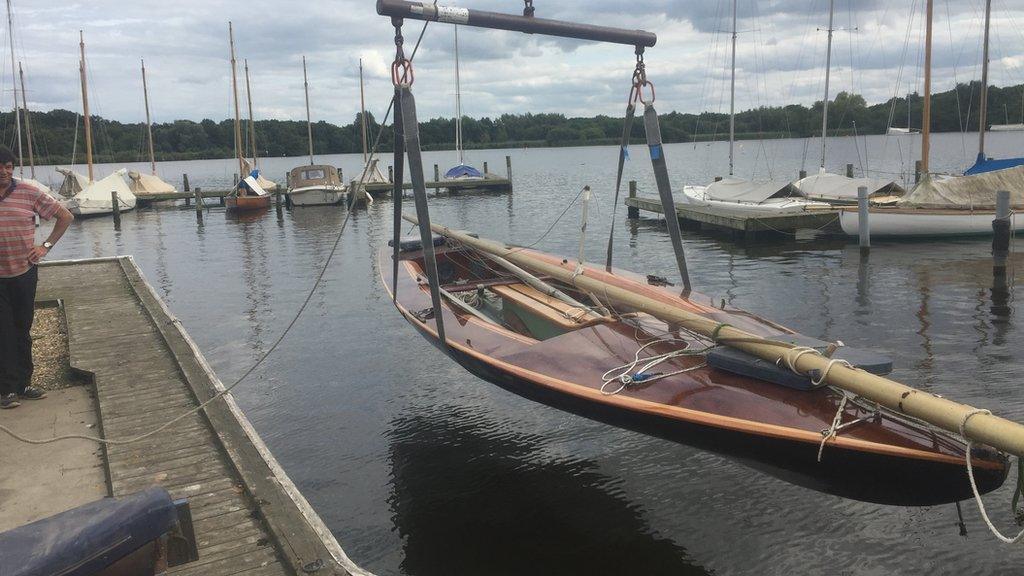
(514, 22)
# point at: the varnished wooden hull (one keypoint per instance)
(768, 427)
(239, 203)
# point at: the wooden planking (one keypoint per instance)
(743, 221)
(140, 386)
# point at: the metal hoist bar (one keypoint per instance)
(514, 22)
(627, 129)
(653, 129)
(419, 188)
(397, 191)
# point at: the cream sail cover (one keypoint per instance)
(143, 184)
(977, 191)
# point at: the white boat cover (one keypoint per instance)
(40, 186)
(143, 184)
(373, 174)
(254, 186)
(975, 192)
(827, 186)
(73, 183)
(95, 197)
(739, 190)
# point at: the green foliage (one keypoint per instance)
(55, 132)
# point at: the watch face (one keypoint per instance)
(47, 245)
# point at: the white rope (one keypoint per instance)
(974, 485)
(834, 428)
(626, 373)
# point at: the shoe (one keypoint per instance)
(9, 401)
(32, 393)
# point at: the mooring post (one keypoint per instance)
(632, 212)
(849, 170)
(391, 174)
(1001, 230)
(508, 171)
(236, 179)
(184, 183)
(485, 169)
(199, 204)
(117, 209)
(917, 171)
(862, 219)
(287, 179)
(803, 174)
(437, 173)
(223, 199)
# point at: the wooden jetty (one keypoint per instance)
(741, 223)
(249, 517)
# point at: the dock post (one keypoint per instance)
(391, 174)
(803, 174)
(199, 204)
(862, 219)
(485, 169)
(184, 183)
(277, 201)
(508, 171)
(117, 209)
(236, 179)
(437, 173)
(1001, 230)
(223, 200)
(632, 212)
(917, 171)
(849, 170)
(287, 180)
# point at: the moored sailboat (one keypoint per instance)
(143, 185)
(248, 194)
(313, 184)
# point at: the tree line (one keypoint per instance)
(58, 134)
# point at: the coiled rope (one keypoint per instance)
(974, 485)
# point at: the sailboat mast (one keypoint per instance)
(828, 73)
(28, 122)
(983, 110)
(234, 91)
(309, 121)
(149, 126)
(252, 124)
(732, 94)
(85, 104)
(458, 101)
(926, 114)
(14, 80)
(362, 108)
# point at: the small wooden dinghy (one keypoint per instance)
(600, 365)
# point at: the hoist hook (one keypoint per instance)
(528, 9)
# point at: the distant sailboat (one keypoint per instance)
(836, 188)
(984, 164)
(89, 197)
(313, 184)
(143, 185)
(370, 173)
(461, 171)
(248, 194)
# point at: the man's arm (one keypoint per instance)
(64, 219)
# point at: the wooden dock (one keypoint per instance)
(742, 223)
(249, 517)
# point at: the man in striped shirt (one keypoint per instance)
(19, 204)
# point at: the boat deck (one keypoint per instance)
(744, 222)
(249, 518)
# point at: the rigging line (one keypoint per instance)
(552, 227)
(263, 357)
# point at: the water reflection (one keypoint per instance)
(470, 496)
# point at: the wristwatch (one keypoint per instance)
(48, 245)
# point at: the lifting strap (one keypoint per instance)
(668, 205)
(396, 191)
(407, 106)
(627, 130)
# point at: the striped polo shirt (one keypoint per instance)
(18, 226)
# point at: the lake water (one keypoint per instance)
(419, 468)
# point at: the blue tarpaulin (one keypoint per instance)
(462, 171)
(983, 165)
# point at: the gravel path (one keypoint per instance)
(50, 351)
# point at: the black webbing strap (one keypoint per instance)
(668, 205)
(627, 129)
(396, 190)
(407, 106)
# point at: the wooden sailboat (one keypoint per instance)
(248, 195)
(733, 194)
(18, 109)
(942, 205)
(90, 197)
(264, 182)
(539, 326)
(143, 185)
(313, 184)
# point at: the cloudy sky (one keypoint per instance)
(781, 55)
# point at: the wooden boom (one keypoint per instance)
(948, 415)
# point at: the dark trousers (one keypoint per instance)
(17, 309)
